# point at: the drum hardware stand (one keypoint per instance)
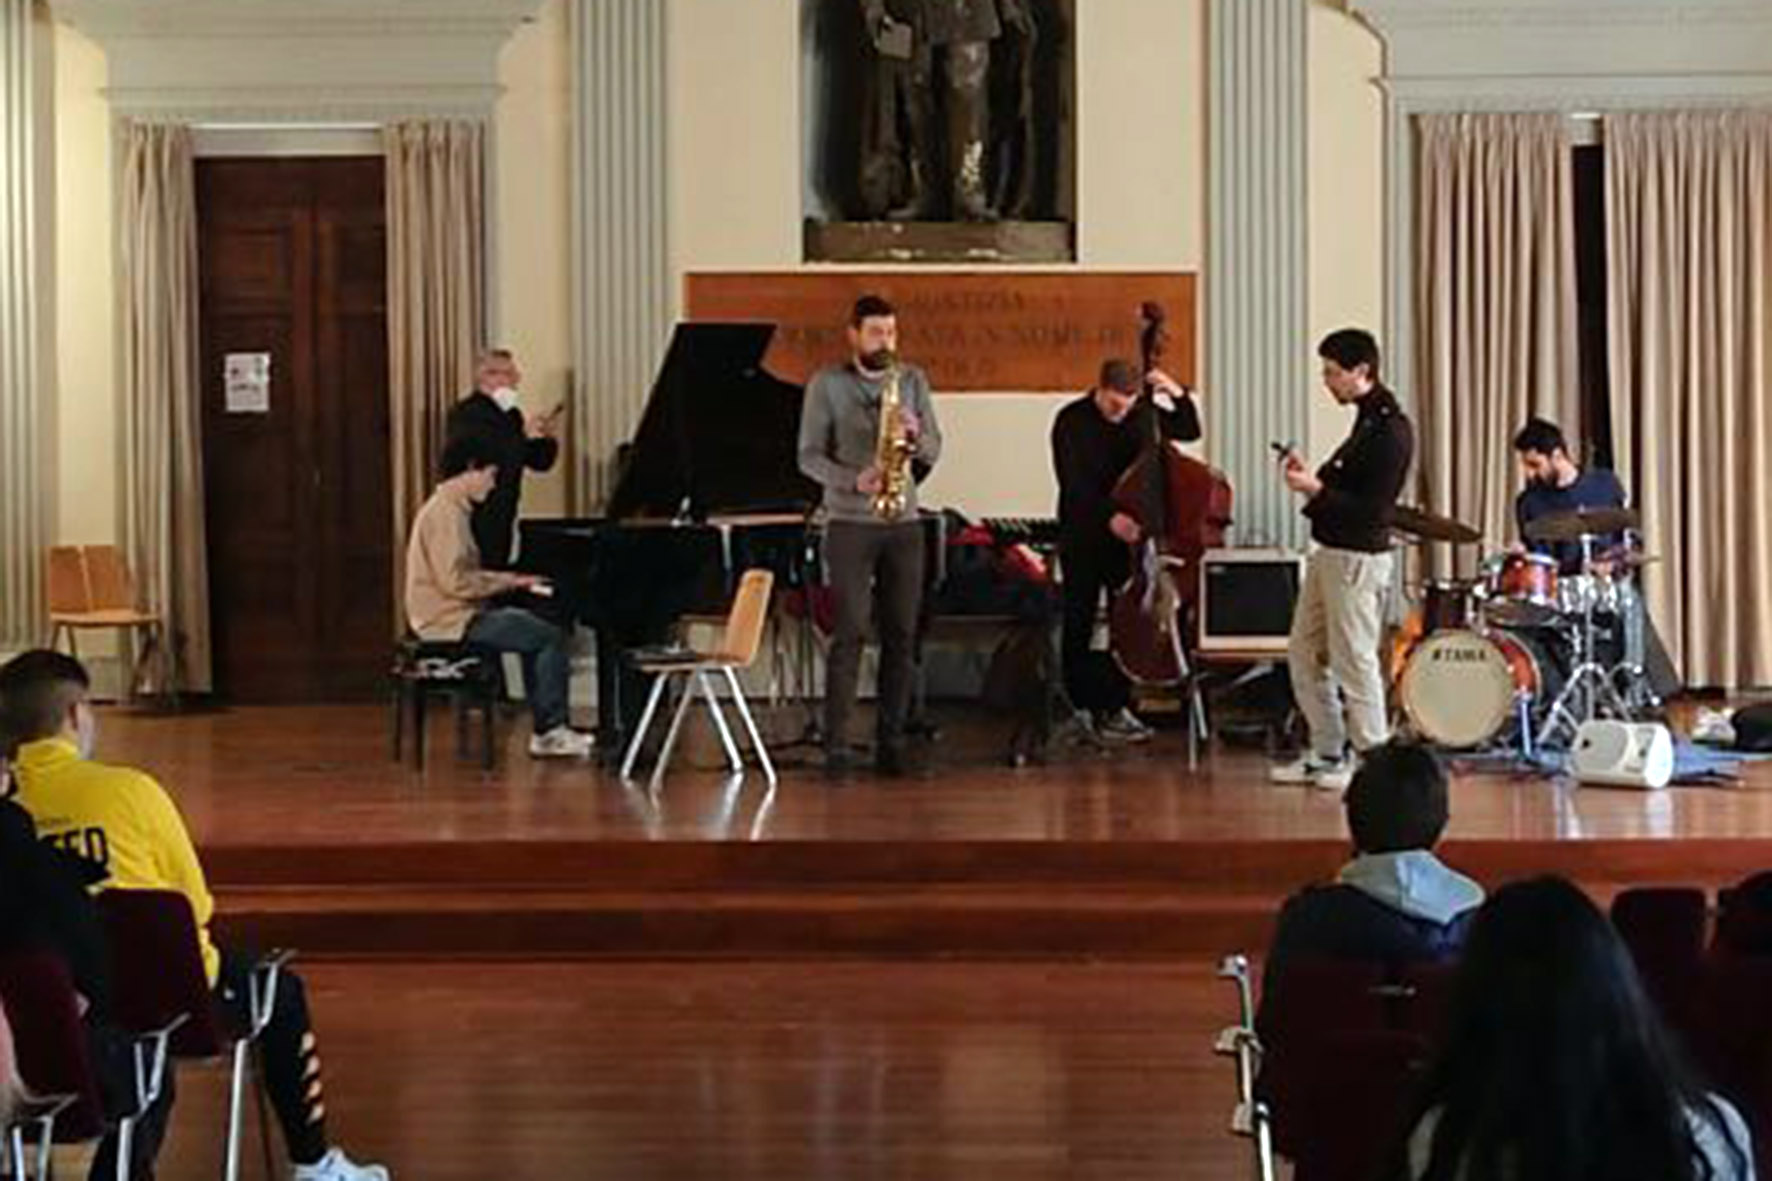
(1590, 683)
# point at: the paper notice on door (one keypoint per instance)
(247, 379)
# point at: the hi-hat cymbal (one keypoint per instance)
(1431, 526)
(1584, 522)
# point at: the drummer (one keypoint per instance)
(1555, 484)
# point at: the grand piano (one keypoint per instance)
(709, 487)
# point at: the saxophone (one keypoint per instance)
(892, 453)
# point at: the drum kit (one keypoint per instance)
(1514, 655)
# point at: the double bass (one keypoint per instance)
(1183, 508)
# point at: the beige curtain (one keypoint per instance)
(1495, 311)
(436, 296)
(162, 485)
(1689, 275)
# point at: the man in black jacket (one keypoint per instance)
(516, 438)
(1339, 619)
(1095, 439)
(1395, 903)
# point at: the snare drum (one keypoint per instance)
(1460, 688)
(1522, 590)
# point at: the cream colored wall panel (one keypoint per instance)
(532, 222)
(1140, 133)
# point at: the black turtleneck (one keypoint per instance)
(1362, 479)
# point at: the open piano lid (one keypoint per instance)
(719, 431)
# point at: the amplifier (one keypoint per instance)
(1246, 599)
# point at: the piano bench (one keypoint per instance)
(469, 676)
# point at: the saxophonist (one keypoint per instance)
(863, 427)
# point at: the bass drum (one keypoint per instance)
(1461, 688)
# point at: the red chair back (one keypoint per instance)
(157, 968)
(1425, 999)
(1354, 1103)
(1734, 1041)
(1664, 928)
(50, 1041)
(1308, 1004)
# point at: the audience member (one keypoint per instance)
(1555, 1066)
(1395, 902)
(124, 822)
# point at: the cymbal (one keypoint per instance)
(1431, 526)
(1586, 522)
(1628, 558)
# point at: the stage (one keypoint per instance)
(314, 837)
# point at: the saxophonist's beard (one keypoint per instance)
(876, 363)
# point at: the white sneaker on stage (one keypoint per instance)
(562, 742)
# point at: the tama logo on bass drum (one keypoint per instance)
(1461, 655)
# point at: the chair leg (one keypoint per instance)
(750, 725)
(130, 656)
(670, 742)
(125, 1146)
(634, 743)
(462, 705)
(420, 707)
(236, 1101)
(707, 691)
(74, 642)
(488, 722)
(397, 714)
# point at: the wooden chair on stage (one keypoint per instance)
(737, 650)
(89, 588)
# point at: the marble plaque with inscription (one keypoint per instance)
(1010, 331)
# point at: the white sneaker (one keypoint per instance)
(562, 742)
(1124, 726)
(1314, 770)
(336, 1166)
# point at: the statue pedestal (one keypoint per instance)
(939, 241)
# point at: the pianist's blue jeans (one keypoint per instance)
(546, 664)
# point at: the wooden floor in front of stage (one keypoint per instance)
(761, 1072)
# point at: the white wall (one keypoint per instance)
(1346, 168)
(531, 278)
(84, 381)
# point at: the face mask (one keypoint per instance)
(505, 396)
(85, 731)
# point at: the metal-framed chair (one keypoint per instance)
(737, 650)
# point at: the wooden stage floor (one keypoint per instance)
(323, 776)
(313, 836)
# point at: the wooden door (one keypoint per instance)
(293, 269)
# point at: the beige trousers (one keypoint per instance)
(1333, 651)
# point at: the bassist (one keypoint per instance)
(1095, 439)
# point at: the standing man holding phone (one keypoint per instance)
(517, 439)
(1339, 619)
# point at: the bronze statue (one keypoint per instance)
(911, 170)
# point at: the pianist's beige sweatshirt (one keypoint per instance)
(445, 584)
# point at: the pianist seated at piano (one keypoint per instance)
(450, 596)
